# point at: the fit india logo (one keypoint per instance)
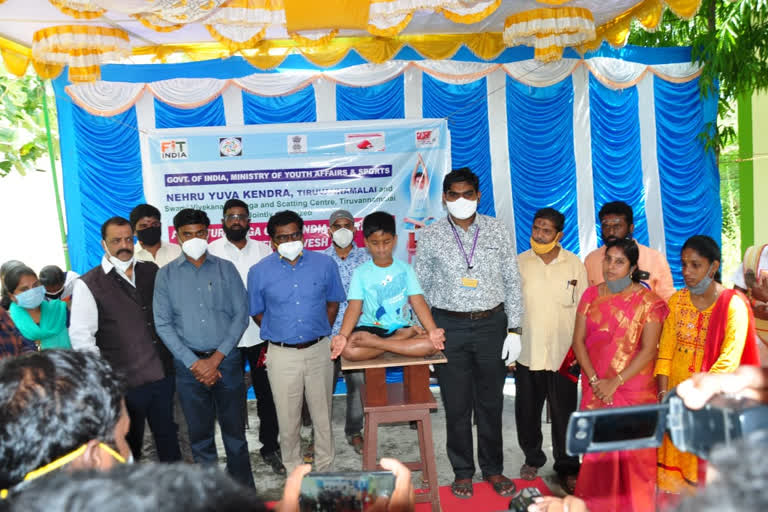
(427, 138)
(230, 146)
(177, 149)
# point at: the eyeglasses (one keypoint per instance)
(237, 216)
(290, 237)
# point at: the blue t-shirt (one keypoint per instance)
(384, 292)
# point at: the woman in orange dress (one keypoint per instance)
(618, 324)
(706, 331)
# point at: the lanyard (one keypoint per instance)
(469, 258)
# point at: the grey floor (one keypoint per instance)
(397, 441)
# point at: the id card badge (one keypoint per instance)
(468, 282)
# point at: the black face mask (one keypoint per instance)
(234, 235)
(149, 236)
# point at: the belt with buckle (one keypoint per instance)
(472, 315)
(297, 346)
(204, 354)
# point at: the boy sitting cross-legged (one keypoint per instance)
(378, 297)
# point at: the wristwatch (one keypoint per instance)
(515, 330)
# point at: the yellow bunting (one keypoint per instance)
(15, 63)
(684, 8)
(549, 30)
(80, 10)
(84, 74)
(157, 24)
(232, 45)
(616, 31)
(378, 49)
(486, 45)
(472, 17)
(309, 42)
(390, 31)
(328, 14)
(81, 47)
(47, 71)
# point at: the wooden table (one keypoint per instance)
(410, 400)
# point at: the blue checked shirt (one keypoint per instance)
(356, 257)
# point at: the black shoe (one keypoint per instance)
(273, 459)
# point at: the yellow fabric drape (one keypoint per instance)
(328, 14)
(647, 13)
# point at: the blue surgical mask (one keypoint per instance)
(702, 286)
(31, 298)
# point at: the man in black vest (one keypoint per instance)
(112, 315)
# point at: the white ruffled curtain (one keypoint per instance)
(110, 98)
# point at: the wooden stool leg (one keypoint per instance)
(370, 441)
(428, 459)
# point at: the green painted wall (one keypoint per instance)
(760, 168)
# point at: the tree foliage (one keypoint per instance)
(730, 41)
(23, 139)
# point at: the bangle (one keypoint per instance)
(620, 378)
(593, 379)
(660, 394)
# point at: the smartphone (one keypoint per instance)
(524, 498)
(344, 491)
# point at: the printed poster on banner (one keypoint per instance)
(313, 169)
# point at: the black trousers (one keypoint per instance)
(532, 388)
(153, 402)
(473, 377)
(265, 405)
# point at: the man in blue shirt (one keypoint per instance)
(200, 308)
(294, 296)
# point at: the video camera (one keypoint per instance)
(722, 420)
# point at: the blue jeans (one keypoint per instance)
(202, 405)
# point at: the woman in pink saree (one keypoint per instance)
(615, 339)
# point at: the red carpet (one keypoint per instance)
(485, 498)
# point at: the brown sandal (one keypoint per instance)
(528, 472)
(503, 486)
(462, 488)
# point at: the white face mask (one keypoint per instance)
(119, 264)
(461, 208)
(195, 247)
(343, 237)
(290, 250)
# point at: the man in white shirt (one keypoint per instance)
(112, 315)
(145, 222)
(243, 252)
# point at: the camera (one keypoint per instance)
(722, 420)
(344, 492)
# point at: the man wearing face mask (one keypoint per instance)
(294, 296)
(553, 281)
(467, 266)
(244, 253)
(201, 312)
(112, 316)
(58, 284)
(617, 221)
(348, 257)
(145, 221)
